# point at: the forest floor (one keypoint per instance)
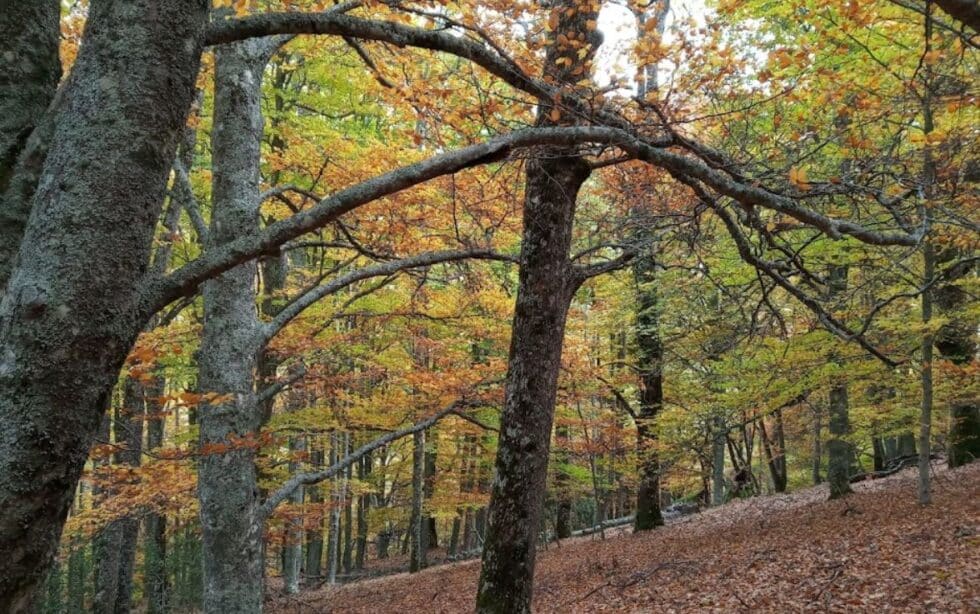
(876, 550)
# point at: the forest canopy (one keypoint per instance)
(297, 292)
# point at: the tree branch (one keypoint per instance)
(315, 477)
(156, 292)
(271, 328)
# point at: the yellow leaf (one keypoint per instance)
(797, 176)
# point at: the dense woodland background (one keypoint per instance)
(770, 282)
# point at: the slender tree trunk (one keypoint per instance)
(776, 458)
(546, 285)
(563, 510)
(67, 318)
(817, 451)
(105, 547)
(293, 545)
(925, 418)
(156, 583)
(718, 436)
(416, 529)
(348, 504)
(431, 531)
(130, 425)
(314, 536)
(363, 503)
(227, 480)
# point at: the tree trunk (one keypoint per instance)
(30, 69)
(563, 509)
(314, 535)
(67, 318)
(839, 453)
(130, 425)
(956, 341)
(817, 451)
(775, 455)
(546, 284)
(348, 504)
(718, 437)
(417, 526)
(650, 354)
(105, 546)
(431, 528)
(650, 357)
(156, 583)
(227, 480)
(293, 545)
(363, 502)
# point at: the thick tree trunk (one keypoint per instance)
(546, 285)
(227, 480)
(650, 347)
(650, 358)
(67, 318)
(839, 453)
(29, 74)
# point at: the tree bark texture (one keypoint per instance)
(67, 318)
(231, 521)
(547, 282)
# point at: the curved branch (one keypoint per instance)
(315, 477)
(156, 292)
(381, 269)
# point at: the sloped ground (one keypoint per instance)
(877, 551)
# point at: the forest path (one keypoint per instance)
(876, 551)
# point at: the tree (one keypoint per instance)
(81, 290)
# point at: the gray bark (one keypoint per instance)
(547, 282)
(839, 453)
(293, 546)
(29, 73)
(231, 521)
(67, 319)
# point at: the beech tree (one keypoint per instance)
(78, 286)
